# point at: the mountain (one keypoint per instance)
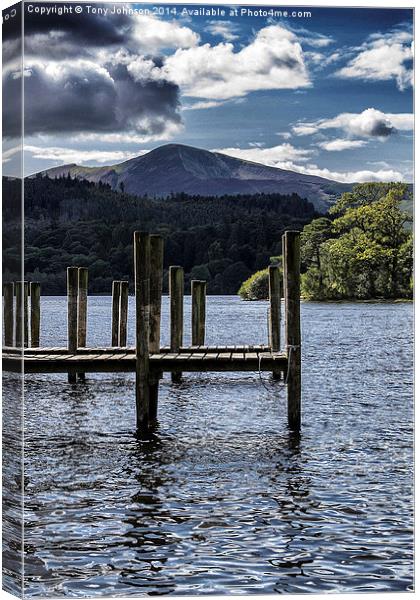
(177, 168)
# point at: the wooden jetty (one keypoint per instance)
(147, 359)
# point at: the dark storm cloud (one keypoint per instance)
(382, 129)
(66, 36)
(70, 83)
(81, 97)
(89, 29)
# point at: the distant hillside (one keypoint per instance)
(177, 168)
(73, 222)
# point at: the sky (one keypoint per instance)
(327, 94)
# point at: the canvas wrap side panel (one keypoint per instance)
(13, 290)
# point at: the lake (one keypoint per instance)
(221, 497)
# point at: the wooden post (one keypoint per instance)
(8, 314)
(275, 308)
(291, 266)
(26, 313)
(123, 315)
(176, 292)
(198, 312)
(153, 396)
(82, 307)
(283, 252)
(35, 289)
(156, 283)
(116, 292)
(72, 293)
(142, 291)
(82, 311)
(19, 313)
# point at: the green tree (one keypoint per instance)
(256, 287)
(313, 236)
(366, 251)
(364, 194)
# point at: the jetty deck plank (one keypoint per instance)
(131, 349)
(43, 361)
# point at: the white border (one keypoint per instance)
(300, 3)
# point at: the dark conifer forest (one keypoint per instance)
(71, 222)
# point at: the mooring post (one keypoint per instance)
(26, 313)
(156, 283)
(18, 287)
(176, 292)
(35, 291)
(8, 314)
(142, 291)
(116, 292)
(291, 274)
(198, 312)
(283, 253)
(153, 395)
(82, 295)
(275, 311)
(72, 294)
(123, 315)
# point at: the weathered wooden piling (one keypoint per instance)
(275, 310)
(35, 292)
(142, 292)
(82, 306)
(153, 396)
(116, 292)
(8, 316)
(82, 295)
(156, 282)
(123, 315)
(291, 274)
(198, 312)
(18, 287)
(176, 293)
(283, 252)
(72, 295)
(26, 313)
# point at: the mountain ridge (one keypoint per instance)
(175, 168)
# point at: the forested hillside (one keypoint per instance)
(71, 222)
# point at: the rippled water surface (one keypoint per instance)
(221, 498)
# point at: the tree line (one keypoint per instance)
(362, 249)
(74, 222)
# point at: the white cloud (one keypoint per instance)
(152, 34)
(384, 175)
(202, 105)
(341, 144)
(288, 157)
(75, 155)
(369, 123)
(141, 68)
(319, 42)
(383, 58)
(225, 29)
(320, 60)
(286, 135)
(168, 130)
(304, 129)
(311, 38)
(273, 157)
(273, 60)
(8, 154)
